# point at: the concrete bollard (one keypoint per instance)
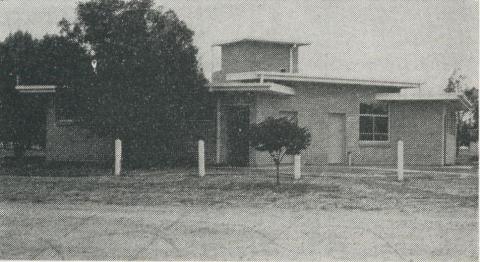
(400, 160)
(118, 157)
(297, 172)
(201, 158)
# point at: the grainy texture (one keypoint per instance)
(80, 211)
(237, 214)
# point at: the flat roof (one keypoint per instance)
(262, 40)
(453, 97)
(35, 89)
(271, 88)
(295, 77)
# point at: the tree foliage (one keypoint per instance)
(467, 121)
(279, 137)
(52, 60)
(455, 82)
(468, 124)
(148, 80)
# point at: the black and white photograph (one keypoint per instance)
(239, 130)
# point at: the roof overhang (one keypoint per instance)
(262, 40)
(459, 100)
(35, 89)
(294, 77)
(270, 88)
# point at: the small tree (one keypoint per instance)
(279, 137)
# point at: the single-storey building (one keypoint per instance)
(65, 140)
(355, 119)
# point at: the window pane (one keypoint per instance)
(366, 137)
(366, 124)
(375, 108)
(380, 137)
(365, 108)
(381, 125)
(379, 109)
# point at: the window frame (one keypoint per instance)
(373, 133)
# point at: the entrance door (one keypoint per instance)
(336, 138)
(237, 140)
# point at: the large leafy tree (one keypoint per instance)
(147, 79)
(279, 137)
(18, 115)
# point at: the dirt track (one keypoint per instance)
(105, 232)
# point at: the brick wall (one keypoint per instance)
(314, 102)
(68, 142)
(257, 56)
(420, 126)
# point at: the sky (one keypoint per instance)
(417, 41)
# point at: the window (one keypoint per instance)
(373, 122)
(292, 116)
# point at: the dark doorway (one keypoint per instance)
(237, 135)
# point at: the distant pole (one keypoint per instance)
(400, 160)
(297, 173)
(118, 156)
(201, 158)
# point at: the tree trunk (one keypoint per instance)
(277, 164)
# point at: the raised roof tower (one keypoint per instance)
(254, 54)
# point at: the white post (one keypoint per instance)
(297, 172)
(201, 158)
(219, 126)
(118, 157)
(400, 160)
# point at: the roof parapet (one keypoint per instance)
(295, 77)
(263, 40)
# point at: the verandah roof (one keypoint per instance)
(270, 88)
(459, 100)
(35, 89)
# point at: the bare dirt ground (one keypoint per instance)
(38, 231)
(241, 215)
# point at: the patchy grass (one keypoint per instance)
(40, 168)
(252, 189)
